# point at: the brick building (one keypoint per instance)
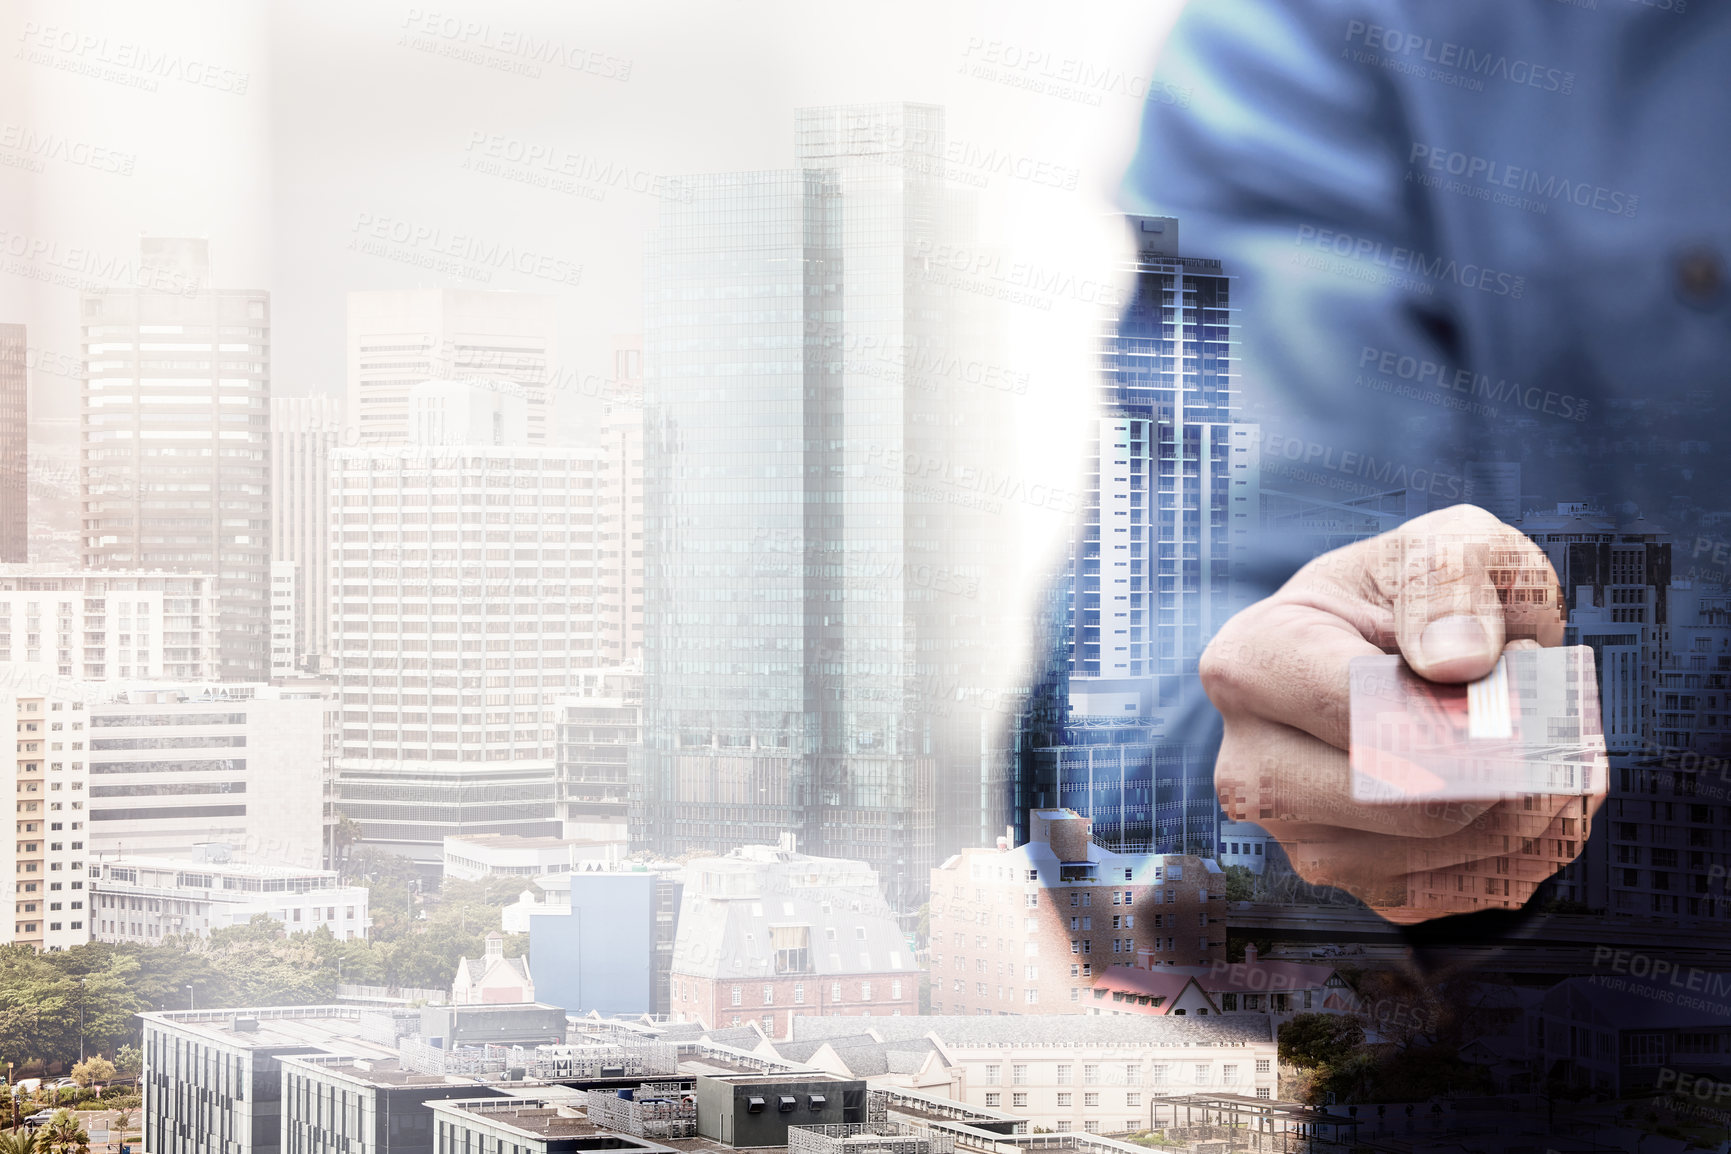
(1026, 930)
(767, 934)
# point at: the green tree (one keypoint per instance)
(129, 1061)
(1240, 883)
(92, 1071)
(1319, 1041)
(18, 1142)
(63, 1135)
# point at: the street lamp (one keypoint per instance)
(81, 982)
(189, 1004)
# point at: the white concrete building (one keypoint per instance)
(172, 766)
(485, 855)
(465, 596)
(284, 635)
(400, 337)
(44, 876)
(303, 432)
(57, 621)
(598, 725)
(145, 899)
(1073, 1073)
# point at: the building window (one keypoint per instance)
(1132, 1099)
(1033, 997)
(865, 991)
(993, 1099)
(1090, 1075)
(799, 993)
(1091, 1098)
(1262, 1065)
(1063, 1127)
(1229, 1074)
(992, 1075)
(1091, 1126)
(1019, 1101)
(1075, 993)
(1262, 1091)
(896, 989)
(835, 992)
(738, 996)
(769, 995)
(768, 1024)
(1018, 1075)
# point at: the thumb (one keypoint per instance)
(1448, 619)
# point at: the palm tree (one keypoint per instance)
(18, 1142)
(63, 1135)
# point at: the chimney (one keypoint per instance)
(495, 945)
(1250, 954)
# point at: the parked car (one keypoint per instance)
(40, 1118)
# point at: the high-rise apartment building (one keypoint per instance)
(816, 522)
(303, 431)
(44, 876)
(14, 446)
(108, 626)
(622, 540)
(172, 766)
(1172, 490)
(465, 594)
(176, 443)
(1026, 930)
(399, 338)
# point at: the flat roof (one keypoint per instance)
(330, 1028)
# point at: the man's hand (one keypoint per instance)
(1448, 591)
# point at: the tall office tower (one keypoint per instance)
(173, 766)
(399, 338)
(105, 626)
(465, 593)
(622, 511)
(44, 874)
(303, 431)
(14, 446)
(1172, 488)
(814, 521)
(176, 471)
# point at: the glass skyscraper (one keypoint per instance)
(815, 624)
(176, 438)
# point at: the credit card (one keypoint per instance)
(1530, 726)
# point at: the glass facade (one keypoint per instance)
(175, 439)
(814, 526)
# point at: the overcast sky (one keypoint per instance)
(274, 130)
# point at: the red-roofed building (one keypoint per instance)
(1160, 991)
